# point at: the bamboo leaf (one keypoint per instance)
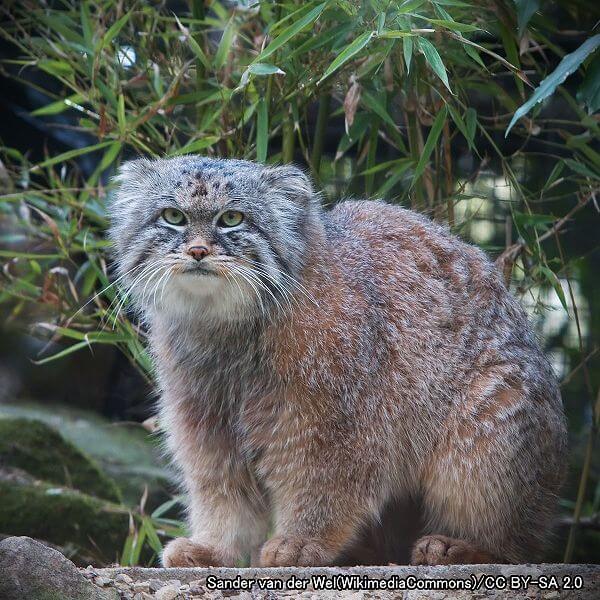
(265, 69)
(29, 255)
(460, 124)
(353, 48)
(554, 281)
(166, 507)
(554, 174)
(196, 145)
(581, 169)
(287, 34)
(138, 544)
(63, 353)
(375, 106)
(153, 540)
(434, 59)
(122, 121)
(472, 53)
(262, 131)
(512, 53)
(432, 139)
(589, 90)
(260, 69)
(198, 52)
(55, 108)
(394, 34)
(113, 31)
(109, 156)
(58, 68)
(394, 177)
(525, 10)
(453, 25)
(386, 165)
(533, 220)
(224, 45)
(86, 24)
(70, 154)
(567, 65)
(409, 6)
(407, 49)
(471, 123)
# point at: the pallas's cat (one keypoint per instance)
(314, 366)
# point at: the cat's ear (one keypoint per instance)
(128, 178)
(288, 181)
(133, 169)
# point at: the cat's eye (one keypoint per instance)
(173, 216)
(230, 218)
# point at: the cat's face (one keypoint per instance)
(194, 233)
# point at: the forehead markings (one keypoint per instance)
(203, 195)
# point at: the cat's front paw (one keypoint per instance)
(290, 551)
(182, 552)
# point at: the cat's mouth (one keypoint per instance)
(199, 270)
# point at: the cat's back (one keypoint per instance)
(420, 270)
(388, 237)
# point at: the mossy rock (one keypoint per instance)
(39, 450)
(85, 526)
(126, 452)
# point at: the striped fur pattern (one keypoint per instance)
(317, 365)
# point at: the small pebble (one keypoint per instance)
(155, 584)
(103, 581)
(196, 588)
(123, 578)
(141, 586)
(169, 592)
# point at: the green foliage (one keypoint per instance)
(567, 66)
(404, 82)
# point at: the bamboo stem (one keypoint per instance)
(448, 169)
(414, 146)
(320, 128)
(585, 472)
(198, 12)
(289, 138)
(372, 155)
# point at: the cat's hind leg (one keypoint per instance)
(489, 488)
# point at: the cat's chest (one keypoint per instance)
(212, 370)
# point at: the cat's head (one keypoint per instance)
(227, 237)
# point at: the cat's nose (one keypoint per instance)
(198, 252)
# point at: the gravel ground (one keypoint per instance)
(33, 571)
(485, 581)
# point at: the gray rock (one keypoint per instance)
(123, 578)
(155, 584)
(141, 586)
(29, 569)
(169, 592)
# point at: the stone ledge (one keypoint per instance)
(28, 569)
